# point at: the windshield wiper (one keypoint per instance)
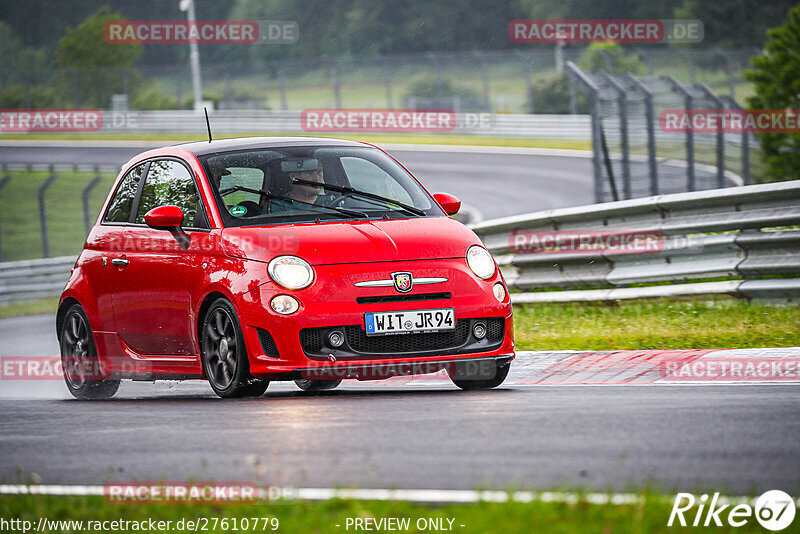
(350, 191)
(268, 194)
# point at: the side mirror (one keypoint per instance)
(448, 202)
(164, 217)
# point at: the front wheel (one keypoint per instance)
(225, 356)
(79, 361)
(473, 375)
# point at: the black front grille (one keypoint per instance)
(397, 343)
(268, 344)
(403, 298)
(359, 344)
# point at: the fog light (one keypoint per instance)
(499, 292)
(479, 331)
(284, 304)
(335, 338)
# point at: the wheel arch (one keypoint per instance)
(65, 305)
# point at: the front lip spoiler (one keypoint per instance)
(377, 371)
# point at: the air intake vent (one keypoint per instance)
(403, 298)
(268, 344)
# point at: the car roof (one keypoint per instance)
(202, 148)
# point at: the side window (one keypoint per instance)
(119, 209)
(169, 183)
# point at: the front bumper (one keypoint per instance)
(279, 344)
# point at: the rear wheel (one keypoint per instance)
(79, 361)
(471, 376)
(225, 356)
(316, 385)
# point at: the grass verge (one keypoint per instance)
(656, 324)
(649, 515)
(31, 307)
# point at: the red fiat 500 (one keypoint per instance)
(248, 260)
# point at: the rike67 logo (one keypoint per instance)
(774, 510)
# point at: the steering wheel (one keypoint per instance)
(331, 202)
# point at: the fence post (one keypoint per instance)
(3, 183)
(597, 148)
(709, 94)
(337, 96)
(85, 194)
(622, 104)
(649, 117)
(485, 75)
(732, 104)
(276, 73)
(687, 104)
(43, 212)
(728, 71)
(387, 81)
(526, 63)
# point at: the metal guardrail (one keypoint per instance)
(739, 234)
(271, 121)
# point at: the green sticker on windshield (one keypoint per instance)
(238, 210)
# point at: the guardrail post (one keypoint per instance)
(622, 105)
(3, 182)
(688, 99)
(709, 94)
(649, 117)
(85, 194)
(597, 148)
(43, 212)
(732, 104)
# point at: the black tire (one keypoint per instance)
(316, 385)
(471, 376)
(79, 357)
(224, 355)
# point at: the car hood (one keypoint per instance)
(353, 241)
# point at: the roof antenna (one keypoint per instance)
(208, 124)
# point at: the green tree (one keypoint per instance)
(98, 68)
(610, 57)
(777, 86)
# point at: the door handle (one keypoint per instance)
(119, 262)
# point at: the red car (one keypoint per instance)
(242, 261)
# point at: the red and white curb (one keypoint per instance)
(643, 367)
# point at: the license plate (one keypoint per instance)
(409, 321)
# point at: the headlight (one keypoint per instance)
(481, 262)
(291, 272)
(284, 304)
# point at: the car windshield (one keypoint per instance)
(276, 186)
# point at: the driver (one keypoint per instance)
(301, 192)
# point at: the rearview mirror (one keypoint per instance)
(448, 202)
(164, 217)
